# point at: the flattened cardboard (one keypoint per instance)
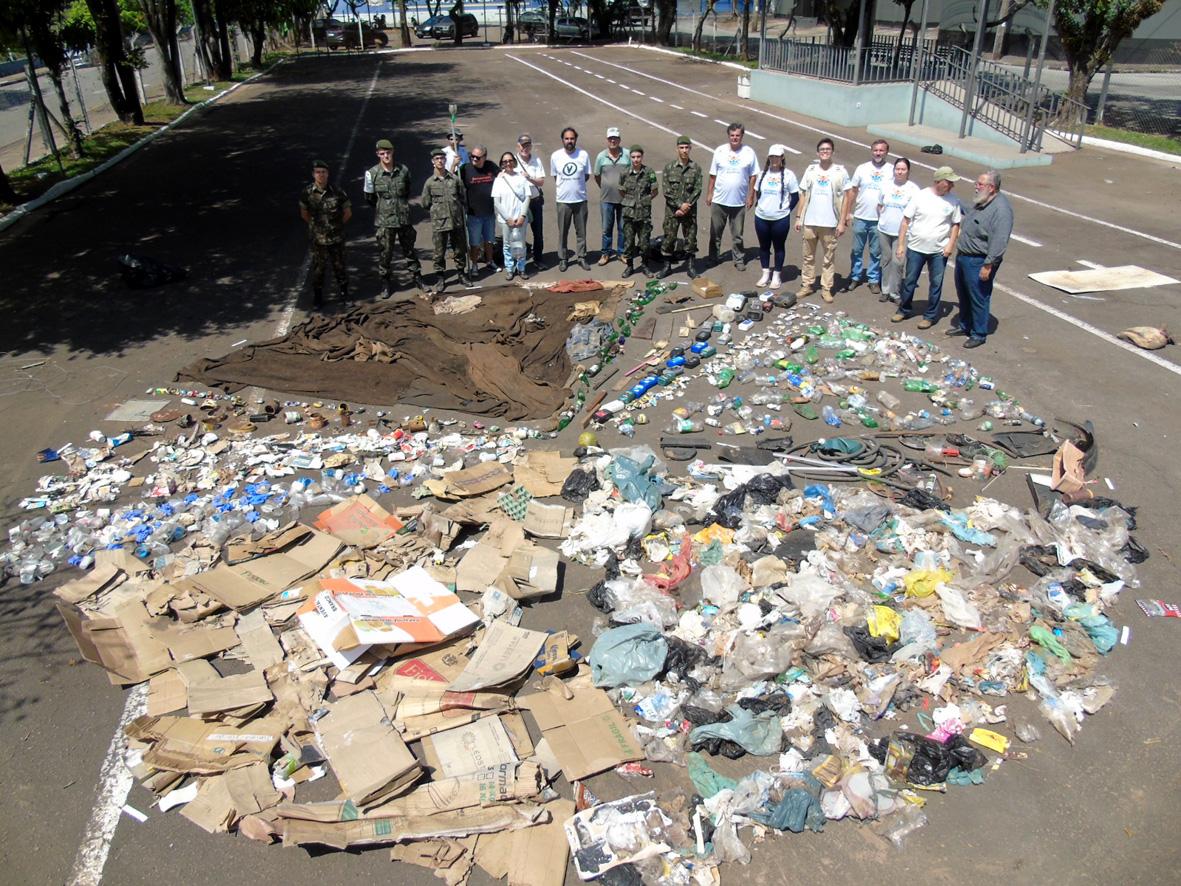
(375, 831)
(122, 642)
(186, 644)
(539, 855)
(504, 654)
(369, 758)
(258, 641)
(470, 748)
(477, 480)
(483, 564)
(543, 473)
(229, 693)
(213, 808)
(188, 744)
(247, 584)
(239, 550)
(102, 578)
(359, 521)
(166, 693)
(585, 732)
(548, 521)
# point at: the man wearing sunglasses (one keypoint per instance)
(478, 177)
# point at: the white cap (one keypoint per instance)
(613, 132)
(776, 151)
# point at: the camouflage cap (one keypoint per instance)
(384, 144)
(684, 140)
(319, 164)
(636, 149)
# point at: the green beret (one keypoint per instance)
(636, 149)
(384, 144)
(684, 140)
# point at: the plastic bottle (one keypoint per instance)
(919, 385)
(725, 376)
(888, 400)
(685, 426)
(830, 416)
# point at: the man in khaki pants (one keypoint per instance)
(820, 217)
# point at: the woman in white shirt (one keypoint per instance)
(776, 195)
(894, 199)
(510, 197)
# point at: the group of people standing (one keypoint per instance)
(474, 201)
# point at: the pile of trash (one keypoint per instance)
(328, 619)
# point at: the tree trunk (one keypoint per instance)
(746, 29)
(668, 18)
(161, 18)
(73, 132)
(709, 10)
(207, 49)
(223, 65)
(118, 75)
(258, 38)
(7, 194)
(906, 7)
(404, 30)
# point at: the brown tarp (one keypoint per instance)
(505, 358)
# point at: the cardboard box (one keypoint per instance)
(706, 288)
(359, 521)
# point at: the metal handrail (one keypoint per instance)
(811, 57)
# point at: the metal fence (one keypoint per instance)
(882, 61)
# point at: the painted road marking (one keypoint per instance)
(1088, 264)
(678, 107)
(1150, 356)
(1026, 241)
(699, 114)
(655, 99)
(756, 135)
(721, 122)
(114, 784)
(602, 101)
(637, 92)
(1012, 195)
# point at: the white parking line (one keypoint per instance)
(678, 107)
(1025, 240)
(637, 92)
(721, 122)
(1088, 264)
(699, 114)
(114, 784)
(609, 80)
(602, 101)
(1093, 330)
(1012, 195)
(655, 99)
(756, 135)
(600, 76)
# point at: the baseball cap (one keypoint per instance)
(776, 151)
(613, 132)
(946, 174)
(636, 149)
(458, 135)
(384, 144)
(438, 152)
(684, 140)
(524, 137)
(319, 164)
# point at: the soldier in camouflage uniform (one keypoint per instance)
(637, 188)
(387, 188)
(443, 196)
(326, 210)
(682, 189)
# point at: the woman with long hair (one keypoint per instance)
(776, 195)
(510, 197)
(894, 198)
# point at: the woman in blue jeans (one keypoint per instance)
(776, 195)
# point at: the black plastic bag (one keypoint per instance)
(921, 500)
(931, 761)
(779, 702)
(761, 490)
(720, 747)
(579, 485)
(624, 875)
(601, 598)
(141, 272)
(1133, 551)
(701, 716)
(682, 657)
(870, 648)
(764, 489)
(727, 509)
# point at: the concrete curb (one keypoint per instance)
(75, 182)
(693, 58)
(1125, 148)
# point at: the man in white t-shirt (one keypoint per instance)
(730, 193)
(570, 166)
(820, 218)
(930, 227)
(533, 169)
(862, 196)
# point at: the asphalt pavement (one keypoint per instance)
(218, 196)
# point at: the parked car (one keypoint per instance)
(336, 34)
(442, 27)
(570, 27)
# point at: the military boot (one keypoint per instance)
(691, 268)
(628, 269)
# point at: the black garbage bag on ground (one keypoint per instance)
(142, 272)
(579, 485)
(779, 702)
(761, 490)
(931, 761)
(870, 648)
(921, 500)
